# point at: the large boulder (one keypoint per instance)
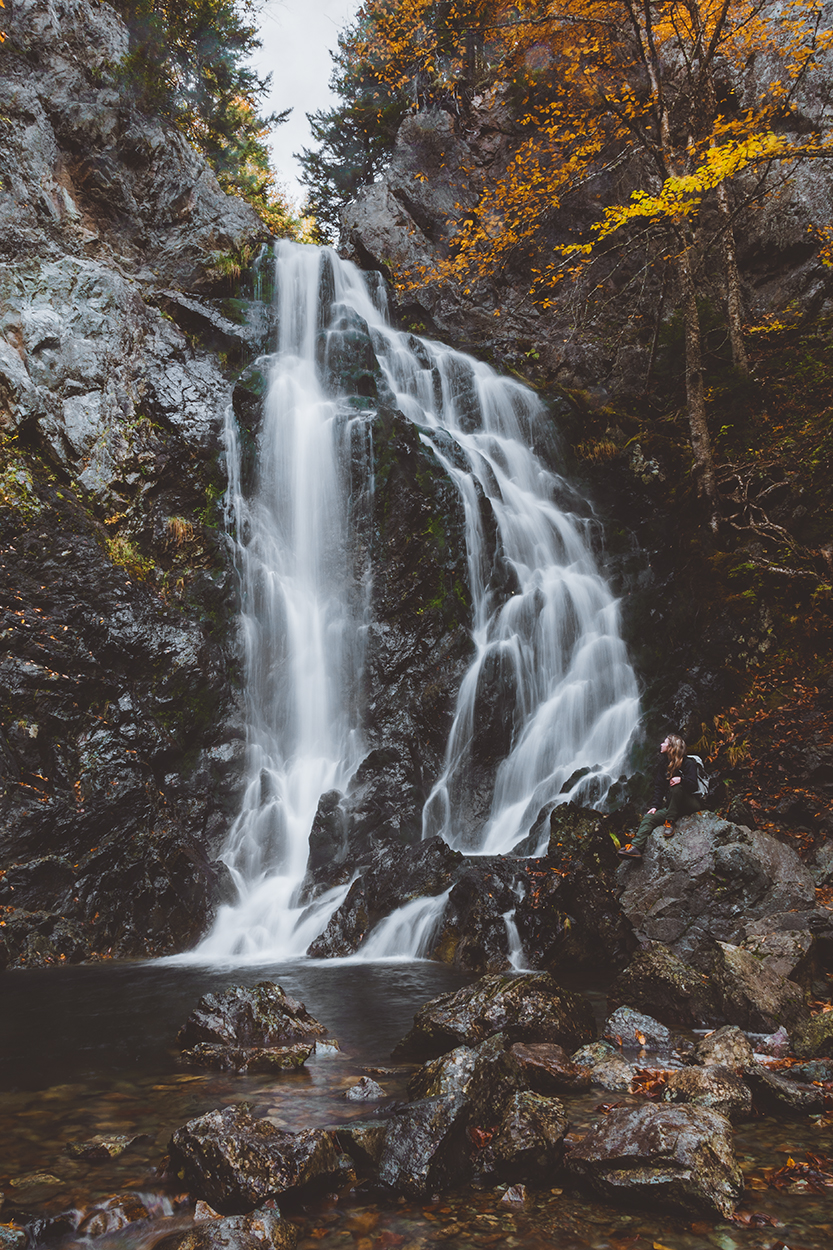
(710, 881)
(426, 1146)
(773, 1094)
(814, 1038)
(257, 1016)
(720, 1088)
(676, 1157)
(235, 1162)
(528, 1142)
(659, 982)
(533, 1008)
(751, 994)
(548, 1069)
(260, 1230)
(728, 1047)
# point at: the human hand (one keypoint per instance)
(651, 811)
(675, 781)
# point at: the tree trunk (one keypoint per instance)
(695, 398)
(733, 302)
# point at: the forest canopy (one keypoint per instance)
(681, 114)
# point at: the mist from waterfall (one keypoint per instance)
(550, 631)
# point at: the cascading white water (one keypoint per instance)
(302, 629)
(572, 692)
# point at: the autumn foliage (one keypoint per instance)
(679, 113)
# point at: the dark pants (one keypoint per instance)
(680, 804)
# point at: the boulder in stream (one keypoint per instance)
(241, 1059)
(533, 1008)
(676, 1157)
(548, 1069)
(259, 1015)
(723, 1089)
(775, 1095)
(660, 983)
(263, 1229)
(607, 1066)
(527, 1144)
(729, 1047)
(813, 1038)
(235, 1162)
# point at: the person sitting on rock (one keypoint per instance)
(675, 795)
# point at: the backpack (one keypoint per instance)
(702, 790)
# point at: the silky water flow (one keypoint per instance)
(553, 634)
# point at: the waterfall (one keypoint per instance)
(552, 638)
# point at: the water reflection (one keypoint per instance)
(86, 1051)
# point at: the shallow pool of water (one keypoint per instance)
(91, 1050)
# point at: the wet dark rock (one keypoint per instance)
(235, 1162)
(812, 1070)
(775, 1095)
(720, 1088)
(658, 982)
(789, 952)
(263, 1229)
(607, 1067)
(528, 1142)
(112, 1214)
(710, 882)
(118, 742)
(12, 1237)
(35, 939)
(751, 994)
(814, 1038)
(260, 1016)
(532, 1008)
(727, 1047)
(679, 1158)
(363, 1141)
(346, 929)
(365, 1090)
(103, 1147)
(394, 876)
(776, 1044)
(570, 917)
(241, 1059)
(447, 1075)
(426, 1147)
(515, 1196)
(548, 1069)
(473, 931)
(635, 1031)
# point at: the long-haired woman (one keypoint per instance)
(675, 794)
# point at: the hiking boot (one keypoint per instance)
(629, 851)
(668, 831)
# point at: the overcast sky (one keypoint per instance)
(297, 38)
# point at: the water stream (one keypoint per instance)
(552, 635)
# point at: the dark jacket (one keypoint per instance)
(687, 771)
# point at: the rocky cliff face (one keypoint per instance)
(120, 741)
(690, 634)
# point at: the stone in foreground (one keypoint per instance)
(524, 1009)
(680, 1158)
(548, 1069)
(261, 1230)
(528, 1143)
(720, 1088)
(235, 1162)
(261, 1015)
(240, 1059)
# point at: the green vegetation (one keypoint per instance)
(188, 62)
(17, 488)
